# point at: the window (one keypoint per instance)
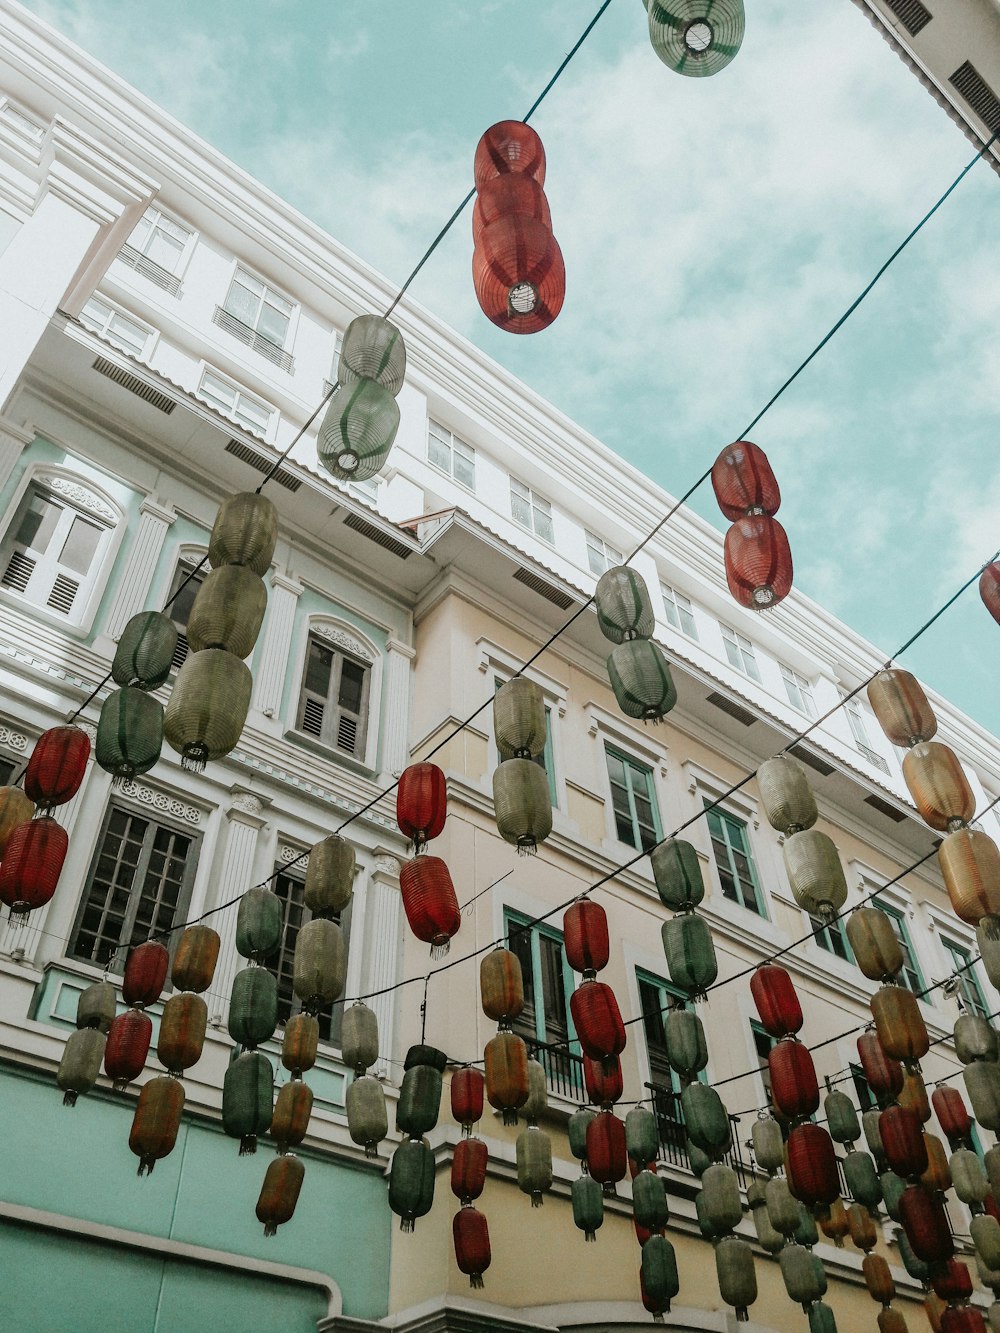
(855, 711)
(740, 653)
(8, 767)
(969, 990)
(600, 556)
(54, 551)
(655, 998)
(183, 590)
(637, 820)
(259, 307)
(832, 937)
(799, 691)
(451, 455)
(290, 887)
(763, 1042)
(545, 1020)
(677, 609)
(229, 399)
(862, 1089)
(129, 334)
(531, 511)
(909, 975)
(333, 705)
(159, 239)
(545, 760)
(338, 343)
(139, 884)
(731, 846)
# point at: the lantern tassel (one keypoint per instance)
(248, 1145)
(742, 1314)
(527, 847)
(608, 1189)
(146, 1165)
(406, 1224)
(69, 1098)
(371, 1149)
(658, 1319)
(536, 1200)
(440, 950)
(510, 1115)
(476, 1281)
(194, 758)
(271, 1229)
(19, 914)
(120, 1084)
(590, 1235)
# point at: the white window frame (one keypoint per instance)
(494, 661)
(743, 649)
(157, 218)
(606, 729)
(600, 556)
(342, 637)
(456, 447)
(539, 509)
(239, 394)
(22, 122)
(682, 618)
(249, 277)
(797, 684)
(103, 325)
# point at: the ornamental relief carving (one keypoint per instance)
(388, 865)
(296, 854)
(161, 800)
(79, 496)
(13, 739)
(247, 802)
(342, 640)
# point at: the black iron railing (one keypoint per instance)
(563, 1069)
(673, 1136)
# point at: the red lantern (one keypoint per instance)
(962, 1319)
(989, 589)
(990, 1206)
(794, 1088)
(607, 1156)
(468, 1169)
(429, 902)
(467, 1087)
(519, 274)
(505, 195)
(812, 1166)
(585, 936)
(743, 481)
(598, 1020)
(145, 973)
(57, 765)
(949, 1107)
(472, 1244)
(925, 1222)
(642, 1234)
(952, 1281)
(758, 562)
(32, 864)
(127, 1047)
(902, 1137)
(604, 1086)
(778, 1005)
(884, 1075)
(421, 803)
(509, 146)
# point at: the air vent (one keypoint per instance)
(734, 709)
(253, 339)
(911, 13)
(181, 650)
(63, 592)
(554, 595)
(376, 535)
(809, 757)
(135, 385)
(149, 269)
(18, 572)
(261, 463)
(980, 96)
(884, 808)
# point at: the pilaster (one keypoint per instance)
(245, 818)
(383, 933)
(273, 663)
(154, 520)
(13, 441)
(396, 729)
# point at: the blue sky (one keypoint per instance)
(713, 230)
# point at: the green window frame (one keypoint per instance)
(655, 997)
(734, 859)
(546, 760)
(910, 974)
(968, 983)
(290, 889)
(832, 937)
(633, 800)
(545, 1021)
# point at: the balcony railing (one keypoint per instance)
(150, 269)
(673, 1136)
(253, 339)
(563, 1069)
(874, 758)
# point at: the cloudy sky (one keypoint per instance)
(713, 230)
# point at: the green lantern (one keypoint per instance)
(228, 611)
(705, 1224)
(245, 532)
(319, 967)
(358, 430)
(768, 1145)
(649, 1201)
(359, 1037)
(372, 349)
(411, 1182)
(248, 1099)
(975, 1039)
(985, 1233)
(690, 953)
(258, 924)
(723, 1206)
(97, 1006)
(519, 719)
(145, 651)
(330, 877)
(785, 794)
(588, 1206)
(642, 1138)
(534, 1163)
(538, 1093)
(706, 1118)
(803, 1275)
(367, 1118)
(129, 733)
(821, 1318)
(577, 1131)
(641, 680)
(696, 38)
(624, 610)
(862, 1179)
(677, 874)
(522, 805)
(698, 1160)
(806, 1233)
(770, 1240)
(419, 1101)
(687, 1050)
(982, 1083)
(815, 874)
(916, 1268)
(207, 707)
(841, 1117)
(782, 1206)
(968, 1177)
(659, 1273)
(735, 1271)
(80, 1063)
(253, 1006)
(892, 1187)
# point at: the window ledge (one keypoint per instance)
(330, 752)
(78, 628)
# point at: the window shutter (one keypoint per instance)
(63, 594)
(18, 572)
(313, 712)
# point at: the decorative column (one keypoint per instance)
(383, 933)
(154, 520)
(396, 731)
(246, 816)
(13, 440)
(272, 666)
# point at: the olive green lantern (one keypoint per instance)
(862, 1179)
(641, 680)
(873, 1133)
(358, 430)
(330, 876)
(706, 1119)
(411, 1182)
(698, 1160)
(822, 1318)
(576, 1129)
(806, 1232)
(696, 38)
(129, 733)
(319, 966)
(677, 874)
(145, 651)
(97, 1006)
(658, 1268)
(788, 801)
(892, 1187)
(985, 1233)
(649, 1201)
(642, 1138)
(228, 611)
(519, 719)
(588, 1206)
(991, 1160)
(968, 1177)
(253, 1006)
(367, 1117)
(624, 609)
(877, 951)
(534, 1163)
(841, 1118)
(768, 1144)
(916, 1268)
(723, 1206)
(259, 922)
(80, 1063)
(982, 1083)
(975, 1039)
(207, 707)
(815, 874)
(782, 1206)
(538, 1093)
(248, 1099)
(687, 1050)
(690, 953)
(419, 1101)
(735, 1271)
(770, 1240)
(372, 349)
(245, 532)
(359, 1037)
(803, 1275)
(522, 805)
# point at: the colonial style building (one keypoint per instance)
(167, 328)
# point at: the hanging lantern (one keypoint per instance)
(280, 1192)
(862, 1227)
(80, 1063)
(522, 804)
(467, 1093)
(538, 1093)
(253, 1006)
(690, 953)
(782, 1207)
(884, 1075)
(576, 1132)
(794, 1088)
(777, 1003)
(677, 873)
(472, 1244)
(534, 1163)
(734, 1259)
(815, 874)
(899, 1024)
(194, 961)
(320, 964)
(507, 1074)
(903, 1141)
(367, 1118)
(878, 1279)
(597, 1020)
(411, 1182)
(588, 1206)
(892, 1187)
(129, 733)
(788, 801)
(687, 1050)
(968, 1177)
(373, 349)
(696, 38)
(803, 1275)
(519, 719)
(658, 1280)
(156, 1121)
(649, 1199)
(914, 1095)
(329, 876)
(145, 974)
(949, 1107)
(835, 1224)
(290, 1119)
(641, 680)
(768, 1144)
(509, 146)
(901, 707)
(421, 802)
(743, 481)
(989, 589)
(56, 767)
(96, 1006)
(988, 939)
(642, 1138)
(430, 902)
(502, 986)
(607, 1155)
(419, 1102)
(622, 602)
(812, 1165)
(228, 611)
(926, 1224)
(770, 1240)
(585, 937)
(468, 1169)
(877, 949)
(970, 864)
(939, 788)
(245, 532)
(722, 1203)
(258, 924)
(518, 274)
(359, 1037)
(758, 561)
(841, 1118)
(985, 1232)
(181, 1038)
(15, 809)
(513, 192)
(248, 1099)
(358, 430)
(145, 651)
(862, 1179)
(32, 864)
(207, 707)
(873, 1137)
(975, 1039)
(706, 1119)
(982, 1083)
(915, 1267)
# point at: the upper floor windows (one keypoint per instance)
(600, 556)
(832, 937)
(259, 316)
(531, 510)
(909, 974)
(969, 989)
(333, 702)
(545, 1021)
(633, 800)
(131, 335)
(451, 455)
(740, 653)
(855, 711)
(734, 859)
(183, 590)
(290, 889)
(157, 248)
(799, 691)
(677, 609)
(229, 399)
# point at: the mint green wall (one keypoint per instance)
(77, 1162)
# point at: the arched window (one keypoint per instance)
(338, 698)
